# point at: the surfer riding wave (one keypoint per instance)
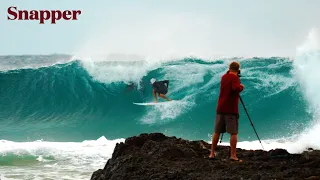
(160, 88)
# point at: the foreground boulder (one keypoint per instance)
(156, 156)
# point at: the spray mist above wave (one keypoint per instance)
(156, 37)
(311, 44)
(117, 68)
(306, 68)
(159, 37)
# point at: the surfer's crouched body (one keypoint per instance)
(160, 88)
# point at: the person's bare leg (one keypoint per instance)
(233, 145)
(215, 140)
(164, 97)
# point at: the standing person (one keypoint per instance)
(160, 88)
(227, 113)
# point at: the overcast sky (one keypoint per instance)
(166, 27)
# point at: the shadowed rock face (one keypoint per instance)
(156, 156)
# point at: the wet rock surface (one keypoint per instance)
(156, 156)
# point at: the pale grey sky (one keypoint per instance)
(166, 27)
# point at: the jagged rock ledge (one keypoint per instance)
(156, 156)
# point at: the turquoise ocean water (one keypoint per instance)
(60, 116)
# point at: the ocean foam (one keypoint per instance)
(74, 160)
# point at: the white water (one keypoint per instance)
(295, 144)
(56, 160)
(306, 68)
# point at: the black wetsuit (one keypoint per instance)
(161, 86)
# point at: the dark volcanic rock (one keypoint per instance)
(156, 156)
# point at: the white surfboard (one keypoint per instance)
(154, 103)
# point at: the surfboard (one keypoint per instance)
(154, 103)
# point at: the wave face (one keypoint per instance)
(80, 100)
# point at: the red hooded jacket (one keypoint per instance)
(230, 89)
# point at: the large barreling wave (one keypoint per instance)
(76, 100)
(69, 112)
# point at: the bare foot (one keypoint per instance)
(236, 159)
(212, 155)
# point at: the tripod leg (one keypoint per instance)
(221, 138)
(245, 109)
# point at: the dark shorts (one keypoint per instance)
(162, 91)
(226, 123)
